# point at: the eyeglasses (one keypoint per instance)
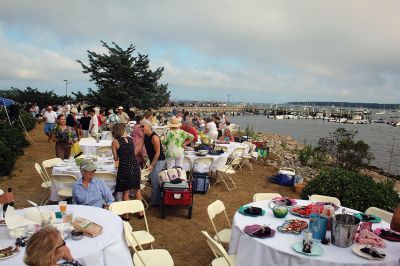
(62, 244)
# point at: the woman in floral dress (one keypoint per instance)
(175, 141)
(64, 136)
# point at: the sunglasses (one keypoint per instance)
(62, 244)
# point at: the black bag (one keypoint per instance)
(200, 183)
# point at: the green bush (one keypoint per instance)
(354, 190)
(27, 119)
(313, 157)
(12, 142)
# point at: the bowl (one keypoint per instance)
(203, 152)
(76, 235)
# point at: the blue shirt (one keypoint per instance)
(96, 194)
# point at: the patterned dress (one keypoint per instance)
(128, 174)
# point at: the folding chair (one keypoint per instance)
(265, 196)
(66, 180)
(220, 147)
(152, 257)
(134, 206)
(226, 171)
(46, 164)
(144, 178)
(105, 150)
(221, 257)
(237, 152)
(247, 157)
(203, 163)
(215, 208)
(47, 184)
(106, 176)
(322, 198)
(384, 215)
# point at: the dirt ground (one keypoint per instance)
(176, 233)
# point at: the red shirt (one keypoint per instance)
(192, 131)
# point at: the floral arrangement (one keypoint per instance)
(67, 135)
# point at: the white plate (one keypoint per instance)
(61, 164)
(12, 255)
(357, 250)
(72, 169)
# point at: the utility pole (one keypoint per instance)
(66, 87)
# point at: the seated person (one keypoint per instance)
(88, 190)
(188, 127)
(46, 247)
(227, 136)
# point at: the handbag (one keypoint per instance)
(171, 175)
(75, 148)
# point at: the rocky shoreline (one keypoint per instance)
(284, 152)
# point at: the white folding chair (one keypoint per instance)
(50, 163)
(134, 206)
(215, 208)
(237, 152)
(104, 150)
(221, 147)
(203, 164)
(47, 184)
(152, 257)
(265, 196)
(66, 180)
(322, 198)
(384, 215)
(144, 178)
(225, 172)
(247, 157)
(221, 257)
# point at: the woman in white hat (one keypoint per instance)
(175, 140)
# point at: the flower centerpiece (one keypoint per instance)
(68, 135)
(97, 137)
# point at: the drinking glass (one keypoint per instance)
(63, 206)
(68, 217)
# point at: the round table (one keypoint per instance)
(76, 172)
(109, 248)
(90, 147)
(278, 251)
(219, 161)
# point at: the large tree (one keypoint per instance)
(124, 79)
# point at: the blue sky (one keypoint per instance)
(256, 51)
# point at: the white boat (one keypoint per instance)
(381, 113)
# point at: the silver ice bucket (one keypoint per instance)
(343, 230)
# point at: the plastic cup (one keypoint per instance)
(63, 206)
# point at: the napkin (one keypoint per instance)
(388, 234)
(259, 231)
(253, 211)
(14, 221)
(33, 214)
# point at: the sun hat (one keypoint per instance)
(120, 108)
(74, 111)
(174, 122)
(88, 166)
(146, 122)
(111, 111)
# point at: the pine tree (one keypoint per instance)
(124, 79)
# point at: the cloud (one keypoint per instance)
(270, 50)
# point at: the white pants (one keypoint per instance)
(213, 135)
(175, 162)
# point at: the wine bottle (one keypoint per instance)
(5, 205)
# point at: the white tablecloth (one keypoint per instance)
(278, 250)
(233, 145)
(107, 249)
(66, 170)
(219, 160)
(90, 147)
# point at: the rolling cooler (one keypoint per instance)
(177, 194)
(200, 183)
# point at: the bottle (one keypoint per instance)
(5, 205)
(395, 223)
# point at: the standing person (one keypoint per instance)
(112, 119)
(128, 174)
(138, 135)
(50, 117)
(123, 117)
(94, 124)
(218, 123)
(211, 129)
(32, 110)
(85, 124)
(175, 141)
(72, 121)
(64, 136)
(156, 155)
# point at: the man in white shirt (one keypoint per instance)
(50, 117)
(94, 124)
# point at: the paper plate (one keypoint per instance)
(316, 249)
(108, 163)
(241, 210)
(61, 164)
(283, 227)
(10, 256)
(376, 220)
(357, 250)
(296, 213)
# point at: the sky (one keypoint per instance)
(247, 51)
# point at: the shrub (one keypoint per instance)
(313, 157)
(354, 190)
(27, 119)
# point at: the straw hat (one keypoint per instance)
(74, 111)
(174, 122)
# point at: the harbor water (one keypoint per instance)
(384, 140)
